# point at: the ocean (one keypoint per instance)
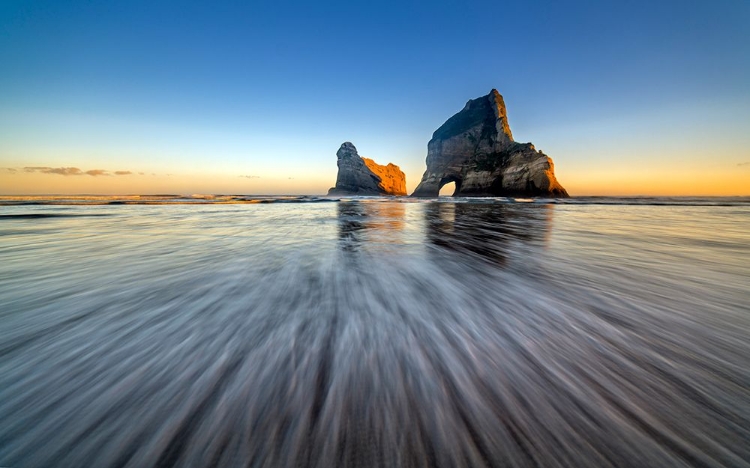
(361, 332)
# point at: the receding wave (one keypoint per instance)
(376, 333)
(94, 200)
(49, 215)
(199, 199)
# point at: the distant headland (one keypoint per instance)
(474, 149)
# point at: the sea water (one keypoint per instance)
(303, 331)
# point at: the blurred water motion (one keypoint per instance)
(375, 333)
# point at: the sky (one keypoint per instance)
(255, 97)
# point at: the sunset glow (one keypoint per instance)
(356, 234)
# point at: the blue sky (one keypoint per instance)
(626, 97)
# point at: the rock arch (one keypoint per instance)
(476, 146)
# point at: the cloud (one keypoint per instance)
(11, 170)
(746, 163)
(250, 176)
(141, 173)
(65, 171)
(97, 172)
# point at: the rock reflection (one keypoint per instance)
(351, 223)
(376, 223)
(487, 232)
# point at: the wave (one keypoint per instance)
(375, 332)
(204, 199)
(50, 215)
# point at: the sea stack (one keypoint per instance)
(363, 176)
(475, 149)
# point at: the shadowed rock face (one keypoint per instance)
(475, 149)
(363, 176)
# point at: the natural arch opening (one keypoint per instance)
(449, 187)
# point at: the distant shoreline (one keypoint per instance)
(202, 199)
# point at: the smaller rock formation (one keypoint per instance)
(475, 149)
(363, 176)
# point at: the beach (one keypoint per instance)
(313, 331)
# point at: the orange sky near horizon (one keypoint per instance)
(615, 181)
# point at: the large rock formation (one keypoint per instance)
(475, 149)
(363, 176)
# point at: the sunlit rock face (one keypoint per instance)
(363, 176)
(475, 149)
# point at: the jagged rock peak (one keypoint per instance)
(501, 114)
(347, 150)
(475, 149)
(363, 176)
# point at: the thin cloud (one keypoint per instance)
(250, 176)
(67, 171)
(64, 171)
(97, 172)
(11, 170)
(746, 163)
